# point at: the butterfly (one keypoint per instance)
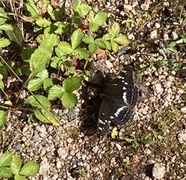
(118, 101)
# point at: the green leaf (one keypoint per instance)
(76, 38)
(83, 53)
(100, 43)
(30, 169)
(3, 16)
(16, 164)
(92, 48)
(5, 172)
(65, 47)
(72, 83)
(5, 159)
(55, 91)
(19, 177)
(56, 62)
(99, 19)
(42, 22)
(81, 8)
(2, 118)
(35, 84)
(148, 141)
(46, 116)
(6, 27)
(47, 83)
(43, 74)
(69, 100)
(41, 56)
(15, 35)
(122, 39)
(1, 82)
(31, 7)
(88, 39)
(114, 133)
(115, 46)
(114, 30)
(126, 161)
(107, 37)
(38, 101)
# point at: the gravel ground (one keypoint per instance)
(153, 144)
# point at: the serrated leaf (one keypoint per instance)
(99, 19)
(46, 116)
(114, 30)
(16, 164)
(38, 101)
(31, 7)
(83, 53)
(81, 8)
(92, 48)
(42, 22)
(107, 37)
(5, 172)
(5, 159)
(88, 39)
(76, 38)
(15, 35)
(55, 92)
(122, 39)
(47, 83)
(19, 177)
(69, 100)
(41, 56)
(65, 48)
(35, 84)
(72, 83)
(30, 169)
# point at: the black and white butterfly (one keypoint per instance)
(118, 101)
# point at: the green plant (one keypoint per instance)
(178, 43)
(12, 166)
(62, 39)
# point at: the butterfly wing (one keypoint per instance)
(118, 101)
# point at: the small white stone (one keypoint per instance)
(154, 34)
(182, 137)
(166, 37)
(144, 7)
(174, 35)
(158, 171)
(118, 146)
(157, 25)
(183, 110)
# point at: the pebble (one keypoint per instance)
(183, 110)
(182, 137)
(154, 34)
(158, 171)
(118, 146)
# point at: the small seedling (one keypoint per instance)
(11, 166)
